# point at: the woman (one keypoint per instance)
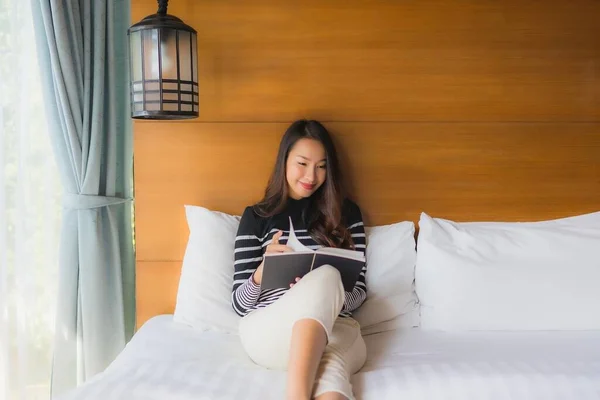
(307, 328)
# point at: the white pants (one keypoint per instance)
(266, 333)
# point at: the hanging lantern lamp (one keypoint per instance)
(164, 67)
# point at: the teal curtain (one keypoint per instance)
(82, 48)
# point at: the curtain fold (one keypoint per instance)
(82, 47)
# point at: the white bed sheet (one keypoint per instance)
(167, 360)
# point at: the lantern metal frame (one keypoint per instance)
(159, 22)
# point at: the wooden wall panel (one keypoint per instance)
(468, 110)
(157, 284)
(351, 60)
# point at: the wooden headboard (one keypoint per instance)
(465, 110)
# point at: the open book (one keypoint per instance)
(281, 269)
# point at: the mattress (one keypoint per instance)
(168, 360)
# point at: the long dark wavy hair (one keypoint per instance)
(324, 216)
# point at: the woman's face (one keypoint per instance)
(305, 168)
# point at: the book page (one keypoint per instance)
(293, 241)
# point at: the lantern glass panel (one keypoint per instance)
(136, 57)
(168, 52)
(170, 107)
(194, 56)
(150, 42)
(185, 62)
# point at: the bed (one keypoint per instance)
(476, 310)
(168, 360)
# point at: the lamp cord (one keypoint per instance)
(162, 7)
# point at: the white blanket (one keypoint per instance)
(166, 360)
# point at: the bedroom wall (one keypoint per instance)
(467, 110)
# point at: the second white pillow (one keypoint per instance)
(509, 276)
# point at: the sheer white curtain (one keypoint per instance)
(30, 195)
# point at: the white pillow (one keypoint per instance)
(509, 276)
(204, 295)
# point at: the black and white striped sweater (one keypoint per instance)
(255, 234)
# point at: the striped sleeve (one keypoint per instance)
(248, 255)
(357, 296)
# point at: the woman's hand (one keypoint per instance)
(273, 247)
(296, 281)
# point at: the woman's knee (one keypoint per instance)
(328, 273)
(328, 278)
(333, 277)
